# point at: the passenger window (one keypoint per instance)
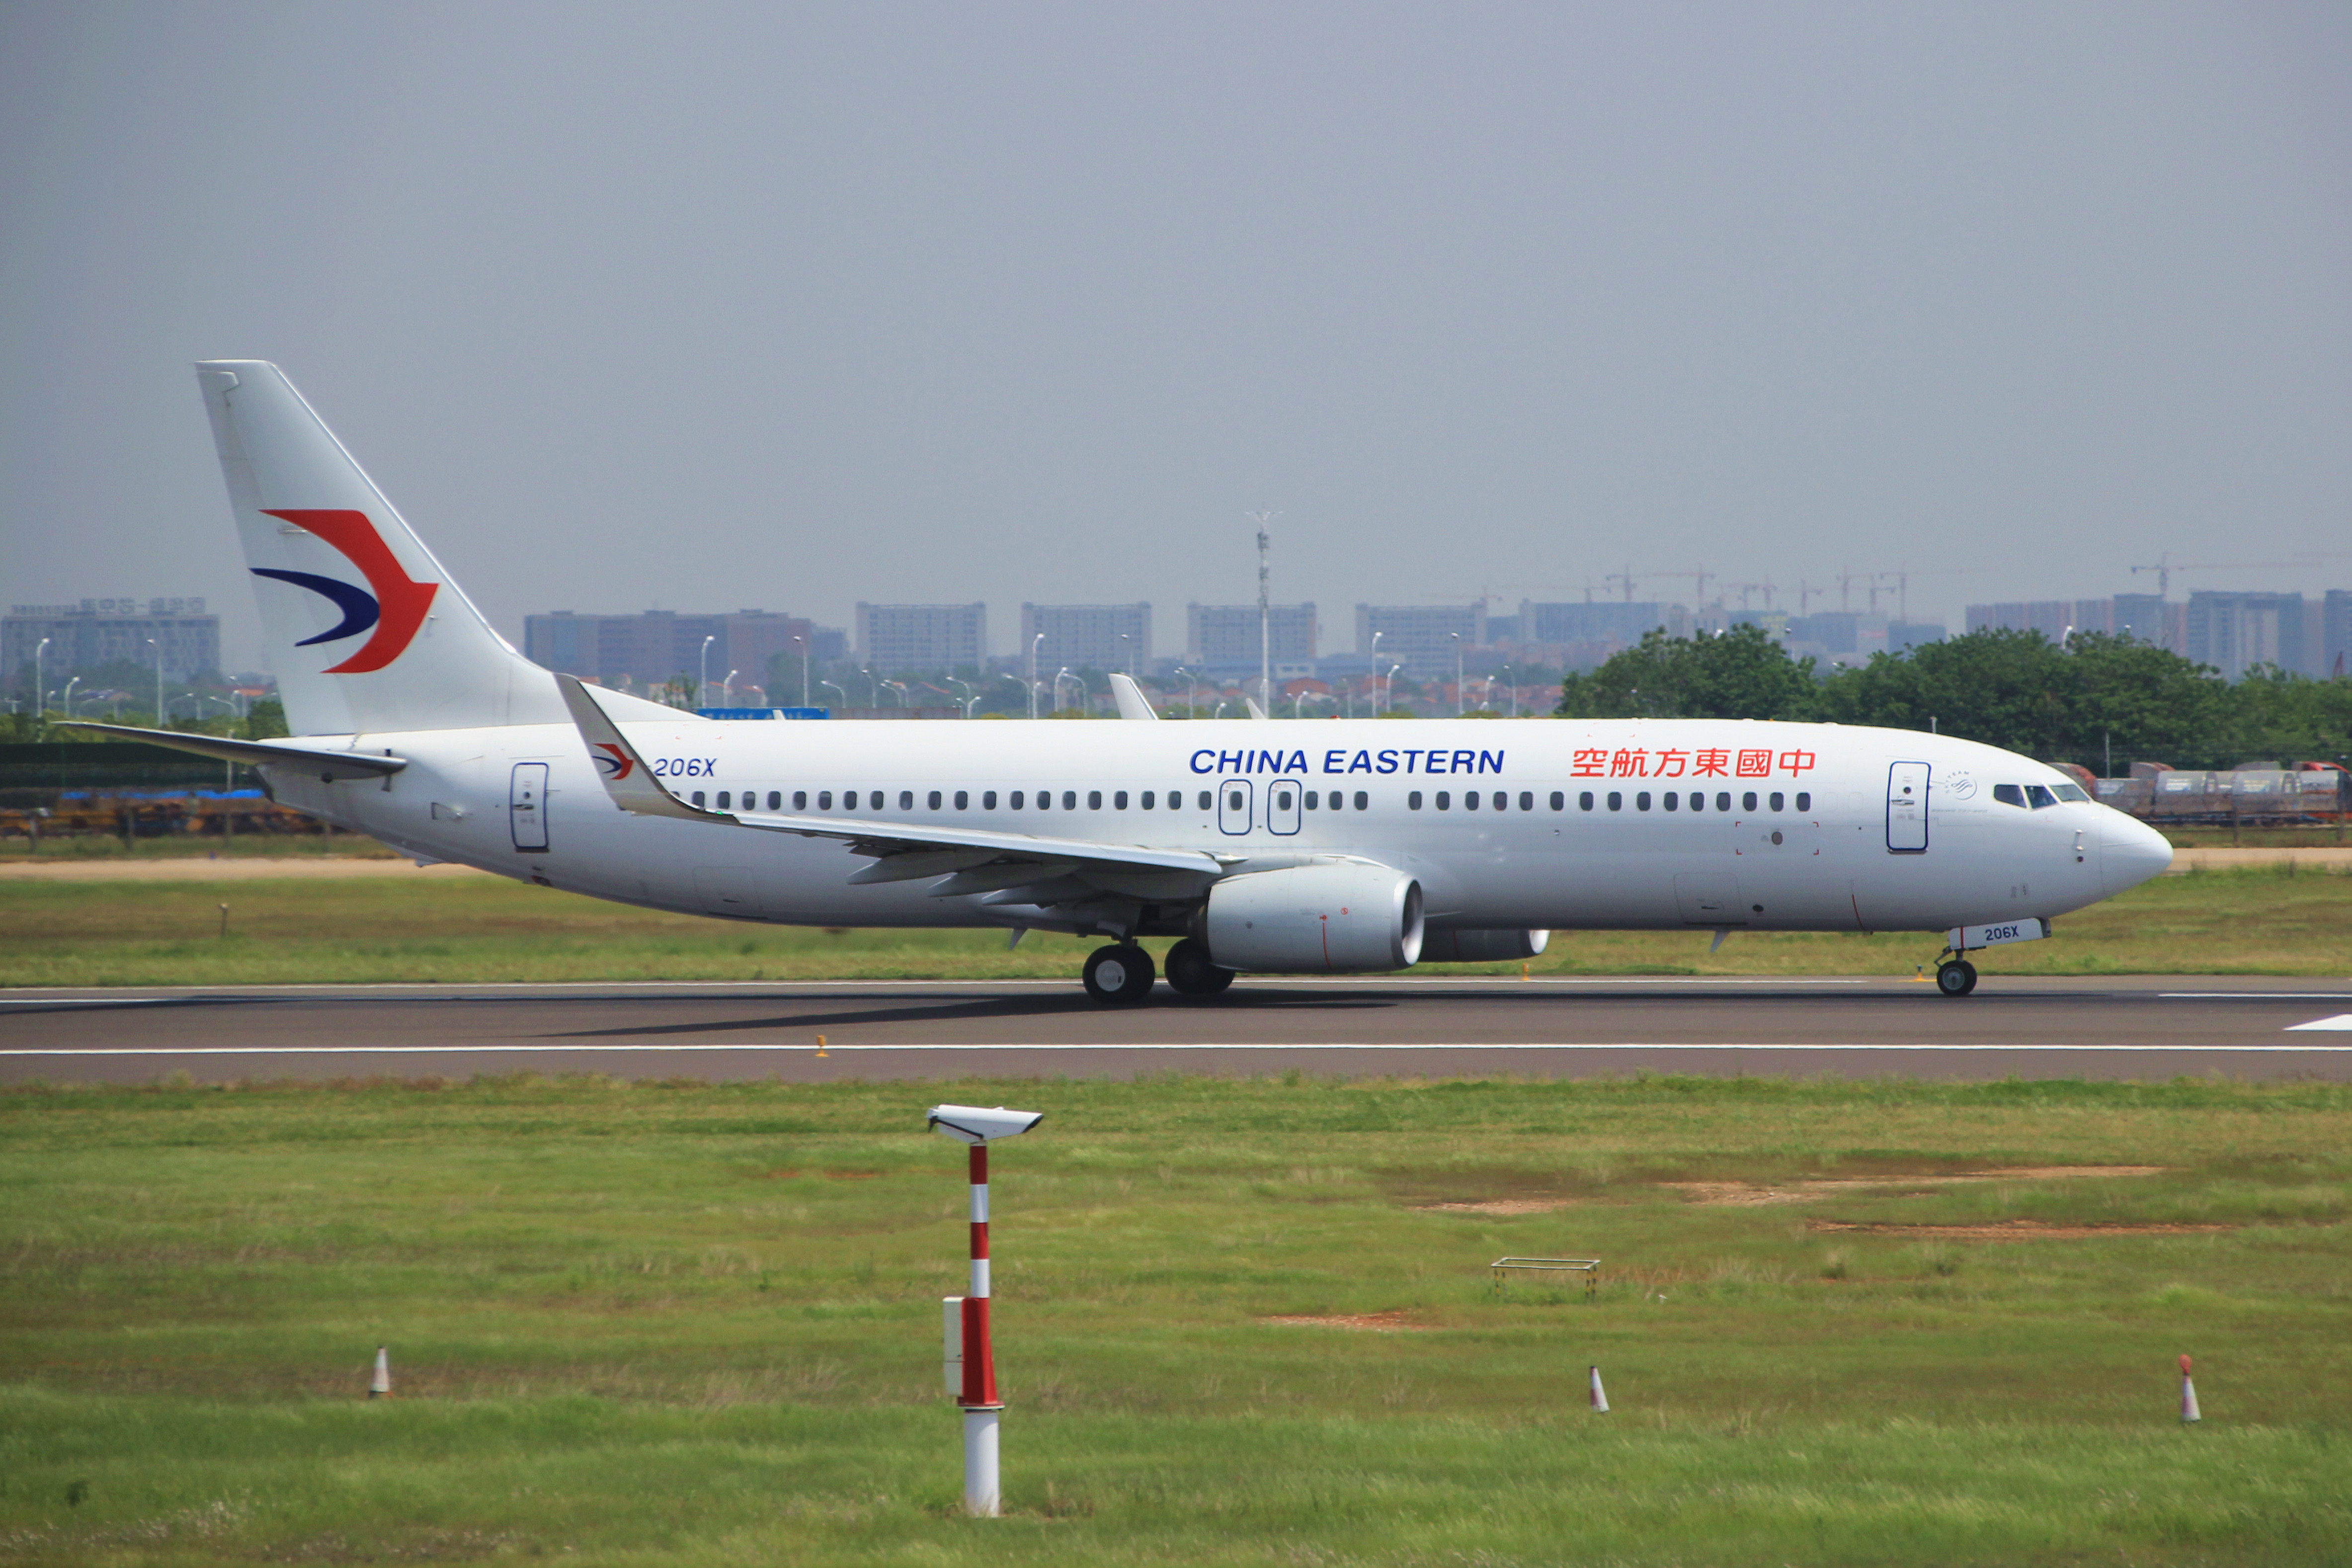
(1446, 800)
(1698, 800)
(1502, 801)
(2009, 795)
(988, 800)
(825, 800)
(1723, 800)
(698, 797)
(906, 800)
(2066, 792)
(1070, 800)
(775, 800)
(1527, 800)
(1413, 801)
(1779, 799)
(875, 800)
(934, 800)
(1584, 801)
(800, 800)
(723, 799)
(1469, 800)
(1616, 800)
(1642, 801)
(1804, 801)
(1149, 796)
(1017, 798)
(1282, 799)
(963, 800)
(2036, 794)
(1205, 797)
(1118, 801)
(1045, 800)
(1748, 801)
(1311, 798)
(1363, 801)
(1560, 801)
(1094, 800)
(1671, 799)
(1233, 801)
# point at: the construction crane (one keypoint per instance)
(1698, 588)
(2166, 566)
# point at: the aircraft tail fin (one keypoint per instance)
(365, 629)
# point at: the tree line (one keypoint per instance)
(2099, 701)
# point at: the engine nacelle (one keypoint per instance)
(1482, 946)
(1348, 917)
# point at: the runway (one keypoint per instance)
(2127, 1027)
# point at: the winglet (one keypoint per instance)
(627, 778)
(1132, 703)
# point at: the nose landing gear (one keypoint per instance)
(1956, 977)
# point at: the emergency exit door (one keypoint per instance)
(1907, 809)
(527, 807)
(1234, 806)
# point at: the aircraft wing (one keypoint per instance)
(340, 764)
(973, 860)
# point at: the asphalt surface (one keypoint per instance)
(2133, 1027)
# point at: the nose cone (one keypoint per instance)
(2130, 853)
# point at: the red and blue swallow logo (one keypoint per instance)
(395, 611)
(617, 765)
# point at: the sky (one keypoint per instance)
(710, 307)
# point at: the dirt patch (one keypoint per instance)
(1500, 1205)
(2014, 1229)
(1749, 1195)
(1368, 1323)
(228, 869)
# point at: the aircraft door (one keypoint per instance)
(1282, 806)
(1234, 806)
(527, 807)
(1907, 809)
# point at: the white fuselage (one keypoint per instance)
(1794, 829)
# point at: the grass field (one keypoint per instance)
(2262, 920)
(661, 1323)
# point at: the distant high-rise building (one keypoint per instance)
(108, 631)
(658, 646)
(1097, 637)
(2336, 633)
(922, 637)
(1422, 638)
(2236, 632)
(1228, 634)
(1599, 621)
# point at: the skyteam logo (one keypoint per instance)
(617, 764)
(395, 611)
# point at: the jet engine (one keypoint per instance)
(1482, 946)
(1343, 917)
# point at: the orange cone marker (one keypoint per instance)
(820, 1045)
(380, 1385)
(1600, 1399)
(2188, 1395)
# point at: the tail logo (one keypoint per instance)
(617, 764)
(395, 611)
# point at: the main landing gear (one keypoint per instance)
(1120, 974)
(1956, 977)
(1191, 972)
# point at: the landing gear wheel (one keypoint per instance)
(1957, 978)
(1119, 974)
(1190, 974)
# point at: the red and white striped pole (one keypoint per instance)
(983, 1493)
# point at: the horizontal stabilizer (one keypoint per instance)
(310, 760)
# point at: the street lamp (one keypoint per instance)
(159, 679)
(1388, 686)
(805, 668)
(838, 687)
(1131, 654)
(1191, 703)
(972, 1356)
(70, 683)
(726, 689)
(969, 699)
(900, 688)
(40, 692)
(873, 688)
(1035, 643)
(704, 679)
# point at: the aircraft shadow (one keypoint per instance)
(973, 1011)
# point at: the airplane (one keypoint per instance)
(1320, 846)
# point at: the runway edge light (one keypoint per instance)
(2188, 1411)
(970, 1352)
(380, 1385)
(1600, 1398)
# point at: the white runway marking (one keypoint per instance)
(2258, 995)
(810, 1050)
(2341, 1021)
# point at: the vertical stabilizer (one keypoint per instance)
(363, 628)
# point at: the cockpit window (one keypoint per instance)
(2009, 795)
(2040, 796)
(2070, 792)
